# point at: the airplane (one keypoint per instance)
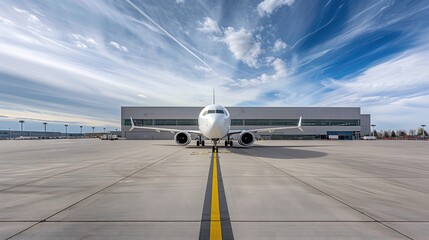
(214, 123)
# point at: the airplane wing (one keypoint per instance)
(299, 126)
(162, 129)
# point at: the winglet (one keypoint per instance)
(132, 124)
(299, 124)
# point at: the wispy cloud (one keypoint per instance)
(167, 33)
(119, 46)
(30, 17)
(387, 82)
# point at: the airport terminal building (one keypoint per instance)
(343, 123)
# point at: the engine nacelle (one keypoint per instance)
(182, 138)
(246, 138)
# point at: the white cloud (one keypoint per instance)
(279, 67)
(180, 1)
(243, 46)
(118, 46)
(279, 45)
(209, 26)
(142, 95)
(280, 71)
(268, 6)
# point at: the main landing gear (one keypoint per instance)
(228, 142)
(199, 141)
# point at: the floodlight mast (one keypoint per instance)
(22, 127)
(373, 129)
(45, 123)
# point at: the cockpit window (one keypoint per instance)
(219, 111)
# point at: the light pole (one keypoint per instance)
(104, 130)
(45, 127)
(423, 131)
(81, 129)
(22, 126)
(66, 129)
(9, 133)
(93, 128)
(373, 129)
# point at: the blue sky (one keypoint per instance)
(77, 62)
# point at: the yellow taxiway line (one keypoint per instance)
(215, 225)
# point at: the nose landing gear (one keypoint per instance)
(215, 147)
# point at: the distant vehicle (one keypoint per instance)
(109, 137)
(214, 123)
(369, 138)
(333, 137)
(25, 138)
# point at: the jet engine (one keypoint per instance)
(182, 138)
(246, 138)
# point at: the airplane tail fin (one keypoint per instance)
(132, 124)
(214, 98)
(299, 124)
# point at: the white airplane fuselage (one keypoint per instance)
(214, 121)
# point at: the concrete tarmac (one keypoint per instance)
(93, 189)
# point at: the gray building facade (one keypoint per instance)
(317, 122)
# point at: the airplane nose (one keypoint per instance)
(215, 124)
